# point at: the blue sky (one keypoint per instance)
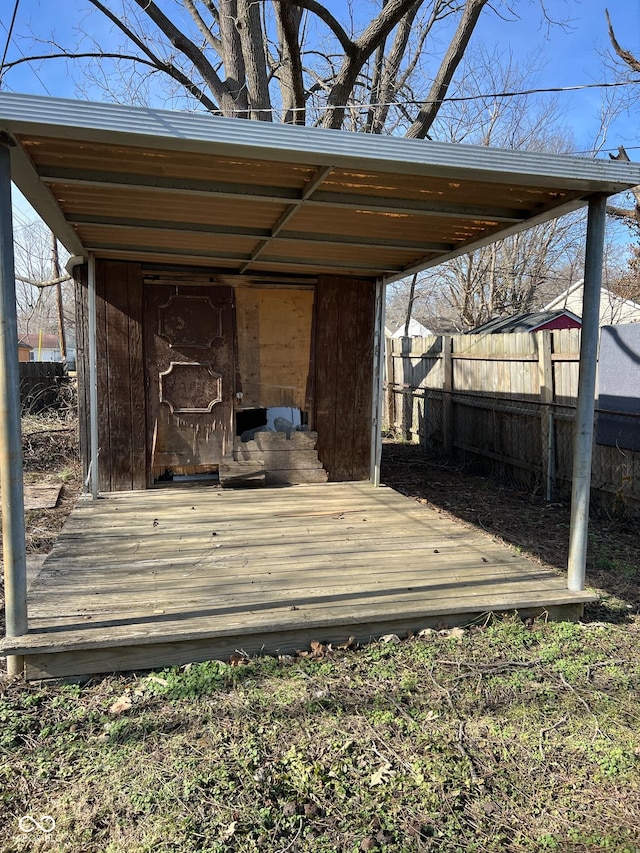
(572, 54)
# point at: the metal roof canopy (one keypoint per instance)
(263, 198)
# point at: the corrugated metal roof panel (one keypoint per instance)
(253, 196)
(287, 143)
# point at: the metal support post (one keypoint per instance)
(11, 480)
(583, 435)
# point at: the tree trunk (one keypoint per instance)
(412, 296)
(452, 58)
(232, 56)
(252, 39)
(55, 264)
(288, 19)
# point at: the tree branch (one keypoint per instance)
(183, 44)
(96, 55)
(631, 217)
(452, 58)
(48, 283)
(168, 67)
(325, 15)
(627, 57)
(389, 83)
(346, 78)
(210, 39)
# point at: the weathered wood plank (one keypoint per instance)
(275, 460)
(82, 363)
(139, 474)
(72, 663)
(278, 441)
(326, 370)
(104, 423)
(118, 372)
(363, 379)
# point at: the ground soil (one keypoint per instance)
(524, 520)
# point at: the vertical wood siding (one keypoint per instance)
(121, 406)
(344, 375)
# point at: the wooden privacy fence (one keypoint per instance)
(40, 383)
(508, 400)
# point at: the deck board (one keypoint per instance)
(143, 569)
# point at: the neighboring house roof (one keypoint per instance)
(416, 330)
(532, 322)
(34, 341)
(613, 308)
(24, 345)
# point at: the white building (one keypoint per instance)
(416, 330)
(613, 309)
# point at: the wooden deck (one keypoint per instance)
(152, 578)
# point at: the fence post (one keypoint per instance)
(447, 388)
(547, 444)
(391, 397)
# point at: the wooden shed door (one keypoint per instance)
(189, 378)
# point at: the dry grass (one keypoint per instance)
(509, 737)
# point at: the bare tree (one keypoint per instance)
(628, 67)
(44, 303)
(299, 62)
(513, 276)
(292, 60)
(518, 274)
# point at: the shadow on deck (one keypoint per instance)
(155, 578)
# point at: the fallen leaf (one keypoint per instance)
(382, 775)
(229, 832)
(318, 650)
(426, 632)
(155, 679)
(390, 638)
(238, 659)
(368, 844)
(120, 705)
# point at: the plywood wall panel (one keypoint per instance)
(273, 327)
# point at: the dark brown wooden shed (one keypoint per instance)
(231, 275)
